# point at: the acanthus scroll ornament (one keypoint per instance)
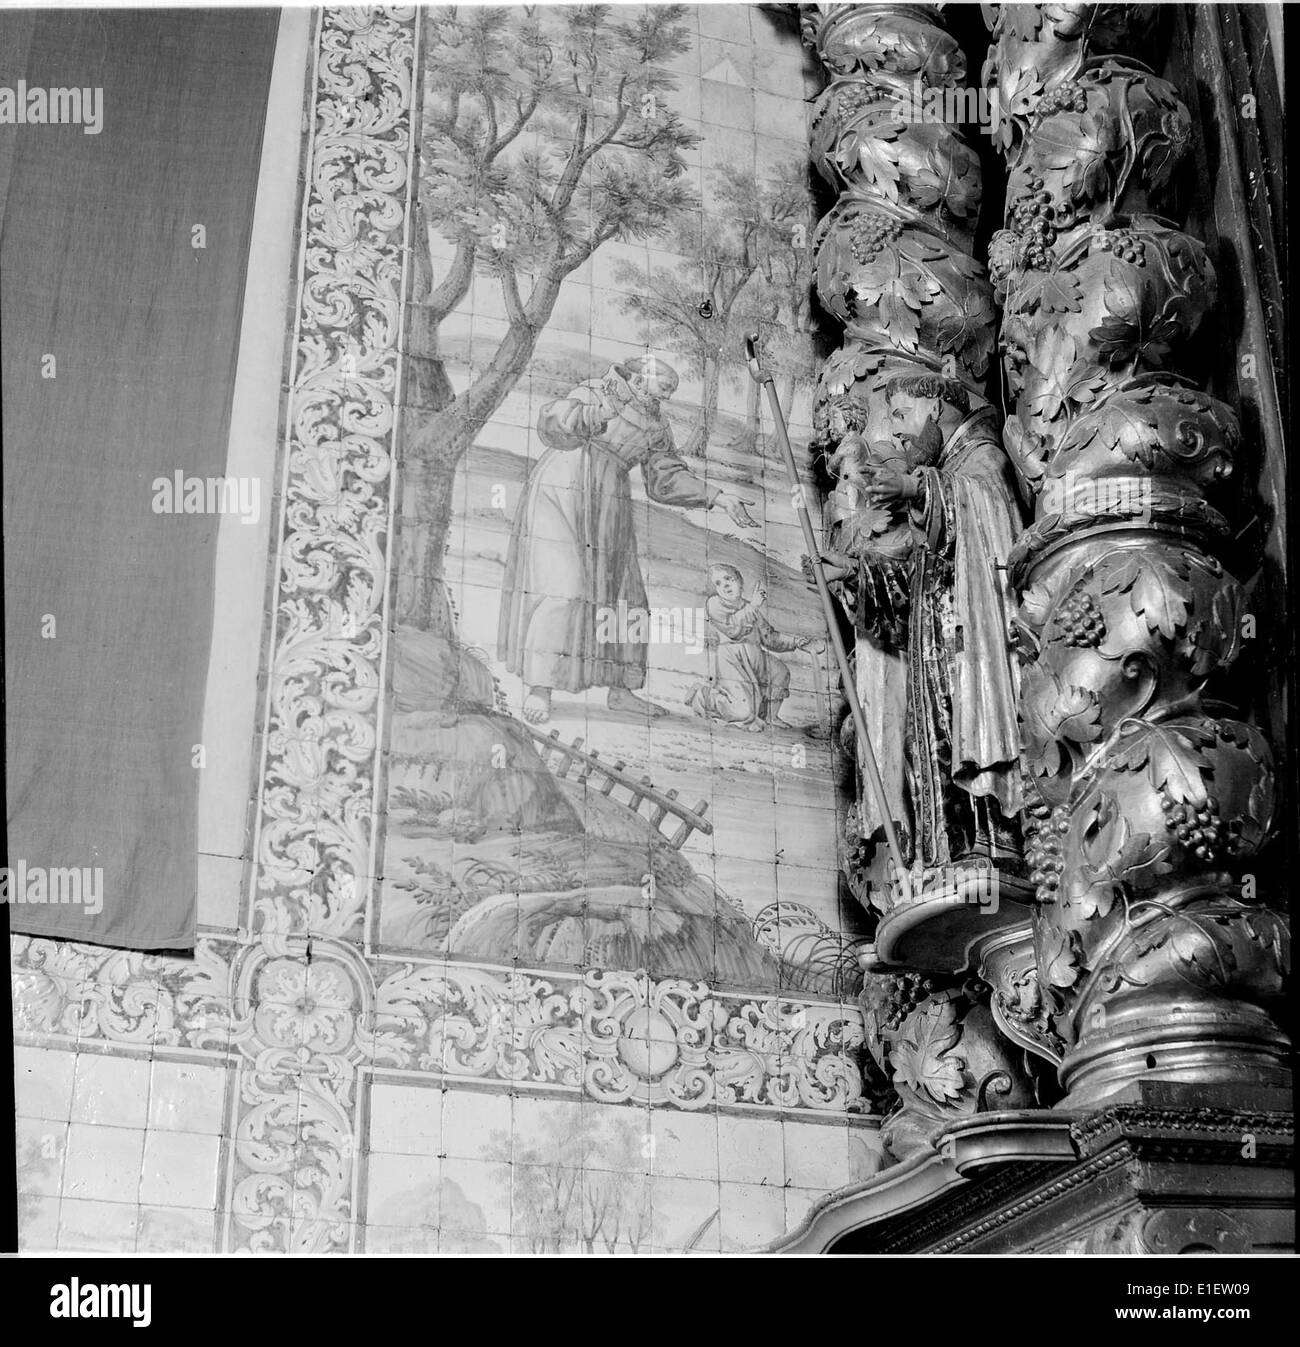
(620, 1036)
(314, 841)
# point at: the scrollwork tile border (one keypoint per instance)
(614, 1037)
(315, 833)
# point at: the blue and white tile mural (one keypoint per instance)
(610, 741)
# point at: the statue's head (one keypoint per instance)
(923, 411)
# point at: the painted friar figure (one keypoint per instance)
(927, 513)
(573, 549)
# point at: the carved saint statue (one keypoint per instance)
(919, 555)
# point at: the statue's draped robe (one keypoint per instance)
(959, 736)
(573, 548)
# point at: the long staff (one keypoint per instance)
(763, 378)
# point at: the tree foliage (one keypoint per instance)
(745, 261)
(547, 131)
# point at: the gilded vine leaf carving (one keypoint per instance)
(1053, 715)
(1060, 958)
(1137, 792)
(924, 1060)
(1136, 329)
(1156, 589)
(1174, 758)
(1114, 851)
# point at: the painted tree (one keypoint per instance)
(545, 134)
(581, 1186)
(752, 225)
(778, 306)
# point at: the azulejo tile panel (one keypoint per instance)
(606, 665)
(570, 928)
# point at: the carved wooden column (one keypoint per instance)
(1159, 955)
(895, 266)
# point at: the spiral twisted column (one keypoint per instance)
(1158, 955)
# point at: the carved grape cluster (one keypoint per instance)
(906, 991)
(1068, 96)
(1198, 828)
(870, 234)
(1080, 620)
(853, 98)
(1039, 242)
(1031, 205)
(1034, 217)
(1043, 851)
(1124, 244)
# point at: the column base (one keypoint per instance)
(1189, 1043)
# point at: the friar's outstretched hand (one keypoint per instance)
(735, 507)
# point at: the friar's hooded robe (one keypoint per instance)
(573, 548)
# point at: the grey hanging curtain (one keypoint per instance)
(119, 342)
